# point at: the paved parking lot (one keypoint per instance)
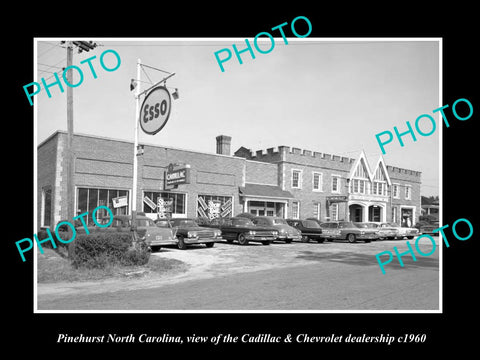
(225, 258)
(331, 275)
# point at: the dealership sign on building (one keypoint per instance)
(176, 175)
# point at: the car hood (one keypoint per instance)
(195, 228)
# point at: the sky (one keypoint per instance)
(324, 95)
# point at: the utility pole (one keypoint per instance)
(70, 158)
(135, 150)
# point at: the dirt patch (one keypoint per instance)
(54, 267)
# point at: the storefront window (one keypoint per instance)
(214, 206)
(88, 199)
(406, 217)
(178, 201)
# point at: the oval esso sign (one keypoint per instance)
(155, 110)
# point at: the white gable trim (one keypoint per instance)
(381, 163)
(371, 174)
(358, 163)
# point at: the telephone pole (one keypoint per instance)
(70, 158)
(82, 46)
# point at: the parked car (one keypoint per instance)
(428, 228)
(384, 231)
(147, 230)
(347, 230)
(286, 232)
(189, 232)
(367, 225)
(408, 232)
(243, 230)
(309, 229)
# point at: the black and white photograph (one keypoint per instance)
(260, 175)
(298, 181)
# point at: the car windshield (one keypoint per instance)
(346, 224)
(360, 225)
(310, 224)
(187, 222)
(242, 222)
(280, 222)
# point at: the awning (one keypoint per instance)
(264, 191)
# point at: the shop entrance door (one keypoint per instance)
(356, 213)
(374, 213)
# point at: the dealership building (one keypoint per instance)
(283, 181)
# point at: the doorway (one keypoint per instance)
(356, 213)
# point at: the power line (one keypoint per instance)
(50, 66)
(50, 49)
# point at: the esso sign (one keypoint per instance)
(155, 110)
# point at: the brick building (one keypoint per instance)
(282, 181)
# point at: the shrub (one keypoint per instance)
(136, 255)
(99, 249)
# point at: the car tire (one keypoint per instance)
(242, 240)
(266, 242)
(288, 241)
(320, 240)
(155, 248)
(229, 241)
(351, 238)
(181, 243)
(367, 240)
(305, 239)
(410, 237)
(210, 244)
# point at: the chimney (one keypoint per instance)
(223, 144)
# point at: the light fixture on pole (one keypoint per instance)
(175, 94)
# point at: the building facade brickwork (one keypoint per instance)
(283, 181)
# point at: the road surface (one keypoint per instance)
(295, 277)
